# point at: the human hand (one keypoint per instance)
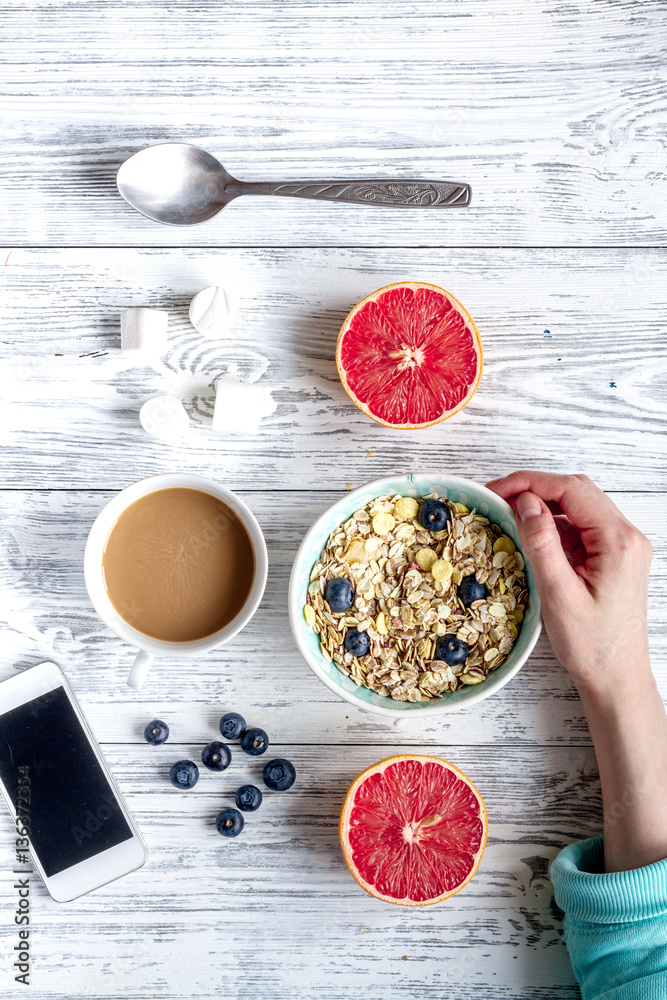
(591, 567)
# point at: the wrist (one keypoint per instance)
(616, 684)
(608, 666)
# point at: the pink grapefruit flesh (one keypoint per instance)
(413, 830)
(409, 355)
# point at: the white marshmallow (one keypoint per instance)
(164, 417)
(239, 406)
(210, 312)
(144, 330)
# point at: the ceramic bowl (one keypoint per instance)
(415, 485)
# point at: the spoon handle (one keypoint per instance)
(394, 193)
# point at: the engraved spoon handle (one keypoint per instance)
(394, 193)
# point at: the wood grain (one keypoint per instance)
(574, 366)
(555, 114)
(48, 616)
(189, 923)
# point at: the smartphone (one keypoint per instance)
(65, 803)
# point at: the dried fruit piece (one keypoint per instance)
(309, 615)
(471, 678)
(504, 544)
(442, 570)
(426, 558)
(381, 624)
(406, 508)
(356, 551)
(383, 523)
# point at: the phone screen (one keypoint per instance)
(74, 813)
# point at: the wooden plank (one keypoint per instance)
(555, 115)
(557, 118)
(574, 359)
(47, 615)
(188, 924)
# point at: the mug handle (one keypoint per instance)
(140, 668)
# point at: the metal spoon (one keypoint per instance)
(182, 185)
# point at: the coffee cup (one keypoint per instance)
(119, 615)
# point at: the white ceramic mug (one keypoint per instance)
(92, 568)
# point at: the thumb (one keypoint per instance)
(541, 544)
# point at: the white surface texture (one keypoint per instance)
(555, 114)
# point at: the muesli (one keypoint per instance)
(414, 597)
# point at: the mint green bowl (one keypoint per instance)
(412, 485)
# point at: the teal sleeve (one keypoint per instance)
(615, 924)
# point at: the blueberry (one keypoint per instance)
(279, 774)
(229, 822)
(232, 725)
(450, 649)
(470, 590)
(357, 642)
(339, 594)
(434, 515)
(216, 756)
(248, 798)
(255, 742)
(156, 732)
(184, 774)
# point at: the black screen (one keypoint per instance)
(74, 813)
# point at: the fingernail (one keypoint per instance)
(527, 505)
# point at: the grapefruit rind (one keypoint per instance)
(349, 803)
(470, 324)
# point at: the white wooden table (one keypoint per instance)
(556, 114)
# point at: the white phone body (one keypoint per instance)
(43, 682)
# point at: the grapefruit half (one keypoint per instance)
(409, 355)
(413, 830)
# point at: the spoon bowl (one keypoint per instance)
(174, 183)
(178, 184)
